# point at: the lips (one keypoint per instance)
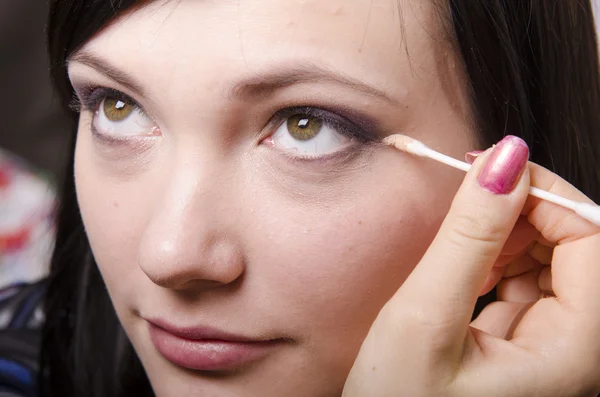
(208, 349)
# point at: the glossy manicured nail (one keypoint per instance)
(504, 165)
(471, 156)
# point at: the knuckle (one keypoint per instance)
(417, 322)
(553, 229)
(478, 228)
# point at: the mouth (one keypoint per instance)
(208, 349)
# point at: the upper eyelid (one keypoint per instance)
(85, 91)
(352, 128)
(97, 93)
(365, 131)
(325, 115)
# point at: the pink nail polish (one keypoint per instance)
(471, 156)
(504, 166)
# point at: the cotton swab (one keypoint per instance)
(591, 212)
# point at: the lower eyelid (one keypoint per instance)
(324, 170)
(321, 159)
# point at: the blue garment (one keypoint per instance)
(21, 319)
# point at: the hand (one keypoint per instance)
(542, 337)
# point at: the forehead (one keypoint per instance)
(382, 40)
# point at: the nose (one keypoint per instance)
(189, 241)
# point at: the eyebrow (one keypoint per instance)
(258, 86)
(265, 84)
(112, 72)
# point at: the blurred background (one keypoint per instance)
(33, 143)
(33, 146)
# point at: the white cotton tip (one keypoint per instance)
(590, 212)
(406, 144)
(410, 145)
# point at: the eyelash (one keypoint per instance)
(91, 97)
(363, 131)
(332, 119)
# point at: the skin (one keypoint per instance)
(205, 223)
(545, 319)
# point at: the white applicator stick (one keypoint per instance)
(591, 212)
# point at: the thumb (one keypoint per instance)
(443, 288)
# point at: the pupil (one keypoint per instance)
(120, 105)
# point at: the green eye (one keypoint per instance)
(117, 109)
(302, 127)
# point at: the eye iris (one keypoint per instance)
(117, 109)
(303, 127)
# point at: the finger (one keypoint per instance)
(523, 288)
(545, 280)
(521, 237)
(520, 240)
(444, 286)
(499, 319)
(555, 223)
(493, 277)
(523, 264)
(541, 253)
(575, 270)
(541, 240)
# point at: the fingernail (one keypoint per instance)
(471, 156)
(504, 166)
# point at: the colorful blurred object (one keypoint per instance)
(27, 202)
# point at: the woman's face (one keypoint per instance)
(233, 189)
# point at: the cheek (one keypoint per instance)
(332, 264)
(342, 266)
(114, 214)
(327, 268)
